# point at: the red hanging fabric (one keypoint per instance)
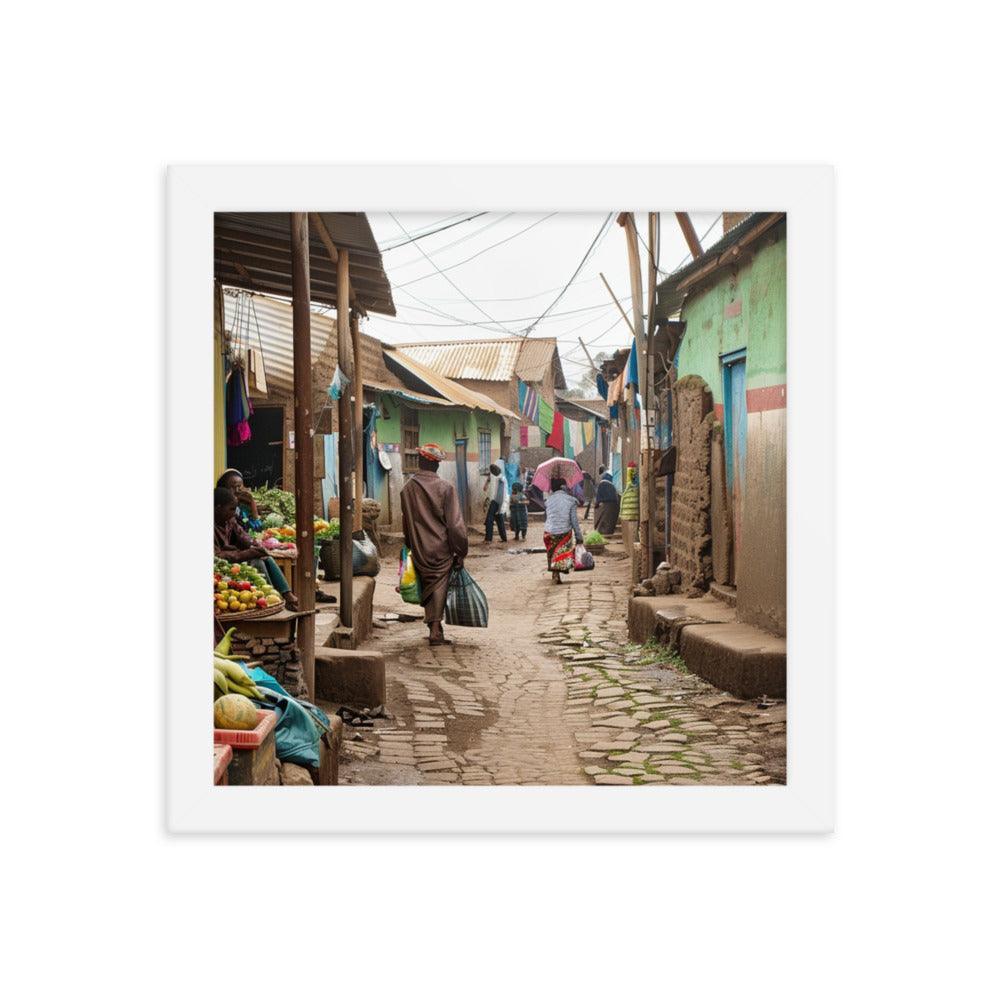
(555, 439)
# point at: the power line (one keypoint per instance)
(437, 251)
(520, 298)
(451, 267)
(604, 306)
(431, 232)
(446, 278)
(600, 234)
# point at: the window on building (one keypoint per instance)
(485, 447)
(411, 439)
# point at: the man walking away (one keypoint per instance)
(435, 534)
(496, 493)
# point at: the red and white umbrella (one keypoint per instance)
(557, 468)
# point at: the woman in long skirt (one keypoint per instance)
(607, 506)
(561, 527)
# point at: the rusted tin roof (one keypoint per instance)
(253, 251)
(460, 395)
(497, 360)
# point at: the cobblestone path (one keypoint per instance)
(552, 693)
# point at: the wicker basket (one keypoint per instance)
(245, 616)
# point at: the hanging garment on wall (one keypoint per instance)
(588, 432)
(534, 436)
(545, 416)
(239, 409)
(529, 401)
(555, 438)
(524, 435)
(632, 371)
(602, 386)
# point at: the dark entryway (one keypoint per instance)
(260, 459)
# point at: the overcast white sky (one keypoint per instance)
(514, 282)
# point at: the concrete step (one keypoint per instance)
(723, 592)
(352, 677)
(735, 657)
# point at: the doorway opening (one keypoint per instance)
(260, 459)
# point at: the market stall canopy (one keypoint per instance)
(253, 251)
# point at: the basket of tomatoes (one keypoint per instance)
(241, 591)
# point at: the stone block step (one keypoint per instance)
(723, 592)
(352, 677)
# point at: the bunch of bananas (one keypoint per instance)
(231, 678)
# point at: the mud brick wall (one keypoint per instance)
(690, 530)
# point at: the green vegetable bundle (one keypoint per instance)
(594, 538)
(271, 500)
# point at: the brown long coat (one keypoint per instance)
(434, 531)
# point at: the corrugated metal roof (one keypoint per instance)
(458, 394)
(592, 407)
(266, 324)
(670, 293)
(268, 327)
(253, 251)
(536, 357)
(483, 360)
(499, 360)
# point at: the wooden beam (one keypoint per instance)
(357, 384)
(324, 234)
(690, 236)
(305, 581)
(617, 303)
(345, 445)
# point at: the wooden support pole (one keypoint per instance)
(305, 580)
(651, 401)
(345, 441)
(357, 388)
(690, 236)
(617, 303)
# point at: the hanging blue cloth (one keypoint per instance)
(602, 387)
(632, 378)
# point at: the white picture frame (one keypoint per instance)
(805, 193)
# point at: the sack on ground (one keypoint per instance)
(466, 604)
(364, 557)
(582, 559)
(409, 582)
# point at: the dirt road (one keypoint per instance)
(551, 693)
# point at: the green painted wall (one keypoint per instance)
(442, 426)
(760, 287)
(389, 431)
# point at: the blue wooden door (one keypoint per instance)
(734, 385)
(462, 476)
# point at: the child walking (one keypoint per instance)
(518, 511)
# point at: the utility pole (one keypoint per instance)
(345, 443)
(305, 484)
(627, 221)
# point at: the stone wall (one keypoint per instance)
(690, 533)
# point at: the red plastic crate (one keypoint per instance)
(248, 739)
(221, 756)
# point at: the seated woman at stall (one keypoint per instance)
(246, 507)
(561, 526)
(233, 543)
(607, 503)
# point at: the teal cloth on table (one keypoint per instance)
(300, 724)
